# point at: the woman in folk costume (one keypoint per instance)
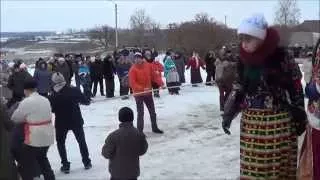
(269, 93)
(172, 76)
(195, 63)
(309, 164)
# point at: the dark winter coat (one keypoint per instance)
(225, 71)
(123, 69)
(6, 161)
(125, 52)
(43, 78)
(180, 65)
(16, 82)
(65, 70)
(17, 137)
(123, 148)
(96, 69)
(210, 63)
(65, 105)
(75, 68)
(108, 69)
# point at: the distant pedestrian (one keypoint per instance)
(195, 63)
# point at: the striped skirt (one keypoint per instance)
(268, 146)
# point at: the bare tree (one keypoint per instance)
(140, 20)
(288, 13)
(104, 36)
(203, 18)
(201, 34)
(143, 27)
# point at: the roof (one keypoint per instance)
(309, 26)
(304, 38)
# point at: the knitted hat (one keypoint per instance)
(125, 115)
(255, 26)
(58, 81)
(30, 84)
(61, 59)
(138, 55)
(92, 59)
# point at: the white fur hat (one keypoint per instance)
(11, 64)
(92, 59)
(61, 59)
(255, 26)
(23, 66)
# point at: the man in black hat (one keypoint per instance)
(123, 148)
(35, 112)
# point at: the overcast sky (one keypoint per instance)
(61, 15)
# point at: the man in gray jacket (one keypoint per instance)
(123, 148)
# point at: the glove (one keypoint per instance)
(226, 122)
(299, 118)
(231, 110)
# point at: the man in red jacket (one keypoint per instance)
(141, 76)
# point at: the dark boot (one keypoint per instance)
(157, 131)
(88, 166)
(65, 168)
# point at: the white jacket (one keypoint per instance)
(307, 69)
(35, 112)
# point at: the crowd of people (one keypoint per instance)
(263, 82)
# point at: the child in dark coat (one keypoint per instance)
(123, 148)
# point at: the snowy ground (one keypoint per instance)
(193, 146)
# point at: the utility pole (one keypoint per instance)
(225, 20)
(116, 18)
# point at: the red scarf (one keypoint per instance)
(258, 57)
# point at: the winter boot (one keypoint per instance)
(65, 168)
(88, 166)
(125, 97)
(157, 131)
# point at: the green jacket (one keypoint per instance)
(6, 162)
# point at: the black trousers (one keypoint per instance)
(174, 90)
(33, 157)
(61, 135)
(210, 76)
(110, 87)
(122, 179)
(95, 85)
(224, 93)
(155, 87)
(148, 100)
(124, 90)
